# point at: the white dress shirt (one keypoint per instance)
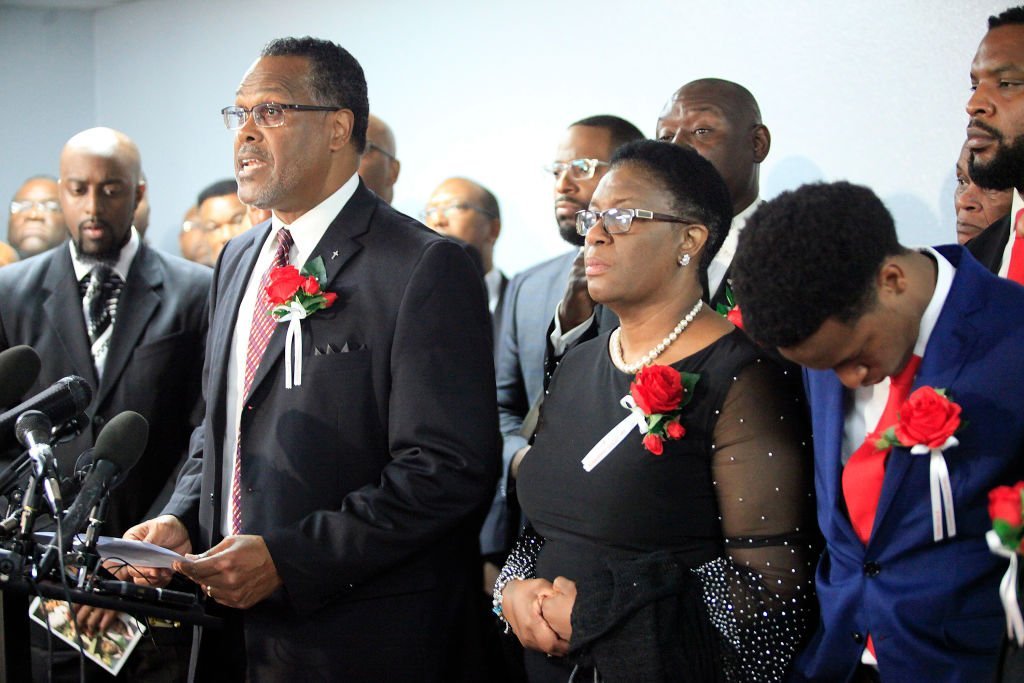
(306, 231)
(1015, 206)
(493, 282)
(83, 267)
(719, 265)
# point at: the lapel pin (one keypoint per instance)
(334, 255)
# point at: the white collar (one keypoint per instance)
(943, 282)
(309, 228)
(121, 266)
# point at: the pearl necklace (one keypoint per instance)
(631, 369)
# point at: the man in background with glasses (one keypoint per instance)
(379, 166)
(468, 211)
(336, 510)
(36, 222)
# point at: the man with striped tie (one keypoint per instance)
(129, 319)
(995, 138)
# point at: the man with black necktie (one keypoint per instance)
(335, 507)
(995, 138)
(130, 320)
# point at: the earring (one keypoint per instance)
(684, 260)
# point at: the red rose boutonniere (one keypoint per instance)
(659, 392)
(1005, 504)
(925, 424)
(294, 296)
(291, 289)
(656, 397)
(731, 309)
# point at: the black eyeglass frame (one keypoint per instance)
(373, 146)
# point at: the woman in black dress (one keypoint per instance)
(686, 553)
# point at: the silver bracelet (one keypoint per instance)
(498, 597)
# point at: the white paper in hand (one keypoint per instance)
(135, 553)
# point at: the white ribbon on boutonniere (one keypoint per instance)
(614, 437)
(295, 295)
(940, 486)
(925, 424)
(293, 344)
(1008, 589)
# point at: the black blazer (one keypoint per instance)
(369, 481)
(988, 247)
(153, 365)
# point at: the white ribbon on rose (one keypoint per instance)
(1008, 590)
(292, 342)
(619, 432)
(941, 488)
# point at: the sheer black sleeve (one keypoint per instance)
(760, 594)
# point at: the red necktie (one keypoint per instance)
(865, 470)
(259, 336)
(1016, 270)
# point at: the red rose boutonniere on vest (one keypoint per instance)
(294, 296)
(925, 424)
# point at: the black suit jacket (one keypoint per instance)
(988, 247)
(153, 364)
(369, 481)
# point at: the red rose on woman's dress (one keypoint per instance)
(284, 282)
(657, 389)
(927, 417)
(654, 444)
(1004, 503)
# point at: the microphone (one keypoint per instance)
(118, 447)
(19, 368)
(61, 401)
(33, 431)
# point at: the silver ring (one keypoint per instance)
(209, 591)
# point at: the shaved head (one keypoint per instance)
(379, 165)
(467, 210)
(100, 187)
(721, 120)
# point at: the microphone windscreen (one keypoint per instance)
(122, 440)
(19, 368)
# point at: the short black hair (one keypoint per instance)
(698, 191)
(1014, 15)
(335, 77)
(808, 255)
(620, 130)
(218, 189)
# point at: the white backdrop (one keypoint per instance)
(872, 92)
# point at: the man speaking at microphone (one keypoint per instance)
(128, 319)
(347, 458)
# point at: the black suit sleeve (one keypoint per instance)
(442, 436)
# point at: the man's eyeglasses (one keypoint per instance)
(266, 115)
(210, 226)
(371, 146)
(26, 205)
(433, 212)
(579, 169)
(618, 221)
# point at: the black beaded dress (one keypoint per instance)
(693, 565)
